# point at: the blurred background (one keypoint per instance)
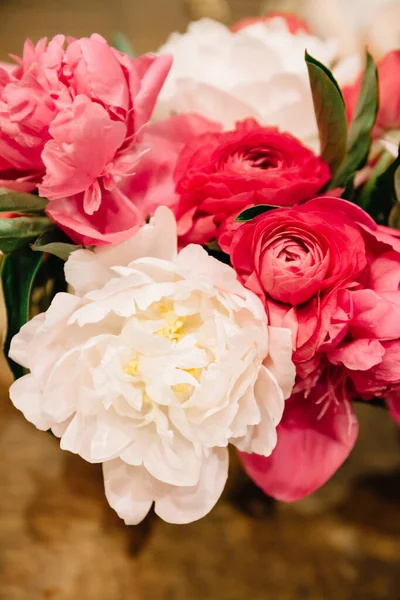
(59, 540)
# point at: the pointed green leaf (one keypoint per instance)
(19, 270)
(16, 233)
(330, 113)
(20, 202)
(379, 196)
(251, 213)
(55, 242)
(360, 132)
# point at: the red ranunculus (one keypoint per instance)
(219, 174)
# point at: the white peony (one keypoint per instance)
(258, 72)
(156, 362)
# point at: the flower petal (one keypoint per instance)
(310, 449)
(128, 490)
(182, 505)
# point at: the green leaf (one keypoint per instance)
(16, 233)
(397, 184)
(330, 113)
(19, 270)
(349, 191)
(19, 202)
(360, 132)
(394, 217)
(55, 242)
(379, 196)
(251, 213)
(121, 43)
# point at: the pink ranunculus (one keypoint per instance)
(220, 174)
(301, 261)
(70, 116)
(341, 299)
(329, 273)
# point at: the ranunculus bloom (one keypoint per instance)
(220, 174)
(69, 118)
(387, 126)
(152, 367)
(327, 271)
(258, 72)
(298, 260)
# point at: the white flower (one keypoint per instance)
(156, 362)
(258, 72)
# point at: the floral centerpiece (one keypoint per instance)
(210, 234)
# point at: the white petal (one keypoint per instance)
(187, 504)
(279, 360)
(174, 462)
(96, 438)
(211, 102)
(261, 439)
(86, 270)
(128, 490)
(19, 347)
(27, 397)
(58, 429)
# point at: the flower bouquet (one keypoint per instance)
(201, 248)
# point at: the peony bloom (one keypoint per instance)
(220, 174)
(65, 99)
(152, 367)
(327, 271)
(258, 72)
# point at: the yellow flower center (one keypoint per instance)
(182, 388)
(174, 327)
(131, 367)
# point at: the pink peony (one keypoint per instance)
(70, 115)
(327, 271)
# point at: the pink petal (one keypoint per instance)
(393, 403)
(359, 355)
(97, 71)
(115, 221)
(85, 143)
(153, 182)
(310, 449)
(147, 74)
